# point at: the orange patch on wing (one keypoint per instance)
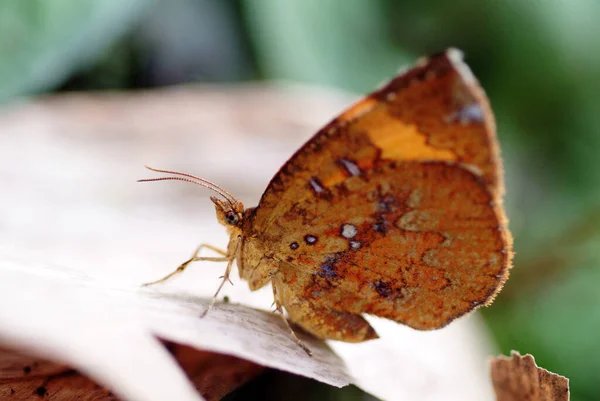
(398, 140)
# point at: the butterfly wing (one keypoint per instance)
(393, 208)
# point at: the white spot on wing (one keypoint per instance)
(310, 239)
(471, 113)
(315, 185)
(349, 231)
(351, 167)
(355, 244)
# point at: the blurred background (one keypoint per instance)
(539, 62)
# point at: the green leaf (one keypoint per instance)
(337, 43)
(42, 42)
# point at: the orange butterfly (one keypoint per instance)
(392, 209)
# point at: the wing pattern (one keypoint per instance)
(393, 209)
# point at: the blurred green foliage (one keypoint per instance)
(43, 42)
(539, 61)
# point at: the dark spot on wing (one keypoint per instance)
(381, 225)
(328, 268)
(387, 204)
(327, 271)
(383, 288)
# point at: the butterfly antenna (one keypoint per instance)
(192, 179)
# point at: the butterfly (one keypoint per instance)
(393, 209)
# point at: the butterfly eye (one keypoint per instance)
(231, 218)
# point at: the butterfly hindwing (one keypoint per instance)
(420, 248)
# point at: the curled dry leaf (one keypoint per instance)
(22, 376)
(66, 386)
(18, 366)
(214, 375)
(69, 166)
(518, 378)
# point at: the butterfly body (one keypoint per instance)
(393, 209)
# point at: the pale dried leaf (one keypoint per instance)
(517, 378)
(44, 312)
(101, 329)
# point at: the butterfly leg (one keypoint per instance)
(279, 309)
(194, 258)
(225, 277)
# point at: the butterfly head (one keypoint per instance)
(230, 211)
